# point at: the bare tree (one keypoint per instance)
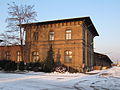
(19, 14)
(8, 39)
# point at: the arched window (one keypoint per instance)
(68, 56)
(19, 58)
(35, 56)
(7, 55)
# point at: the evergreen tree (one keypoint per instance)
(49, 61)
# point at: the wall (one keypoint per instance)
(13, 52)
(76, 44)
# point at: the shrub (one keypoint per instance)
(35, 66)
(3, 63)
(21, 66)
(60, 69)
(10, 66)
(28, 66)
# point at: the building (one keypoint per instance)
(10, 53)
(101, 61)
(72, 41)
(71, 38)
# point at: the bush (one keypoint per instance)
(3, 63)
(10, 66)
(60, 69)
(29, 66)
(35, 66)
(21, 66)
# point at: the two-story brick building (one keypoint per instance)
(71, 38)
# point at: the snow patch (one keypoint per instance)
(98, 80)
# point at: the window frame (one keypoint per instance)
(35, 56)
(68, 34)
(19, 57)
(35, 36)
(7, 55)
(68, 56)
(51, 36)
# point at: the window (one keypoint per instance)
(35, 36)
(19, 58)
(51, 36)
(68, 56)
(7, 55)
(83, 55)
(68, 35)
(35, 56)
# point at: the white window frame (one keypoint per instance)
(51, 36)
(68, 34)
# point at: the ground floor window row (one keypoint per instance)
(67, 56)
(8, 56)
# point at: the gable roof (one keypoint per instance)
(87, 21)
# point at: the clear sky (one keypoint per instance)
(105, 15)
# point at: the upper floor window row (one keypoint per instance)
(68, 35)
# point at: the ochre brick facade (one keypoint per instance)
(71, 40)
(10, 53)
(80, 44)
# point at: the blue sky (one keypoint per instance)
(105, 15)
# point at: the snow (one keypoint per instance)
(95, 80)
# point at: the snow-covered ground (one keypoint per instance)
(103, 80)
